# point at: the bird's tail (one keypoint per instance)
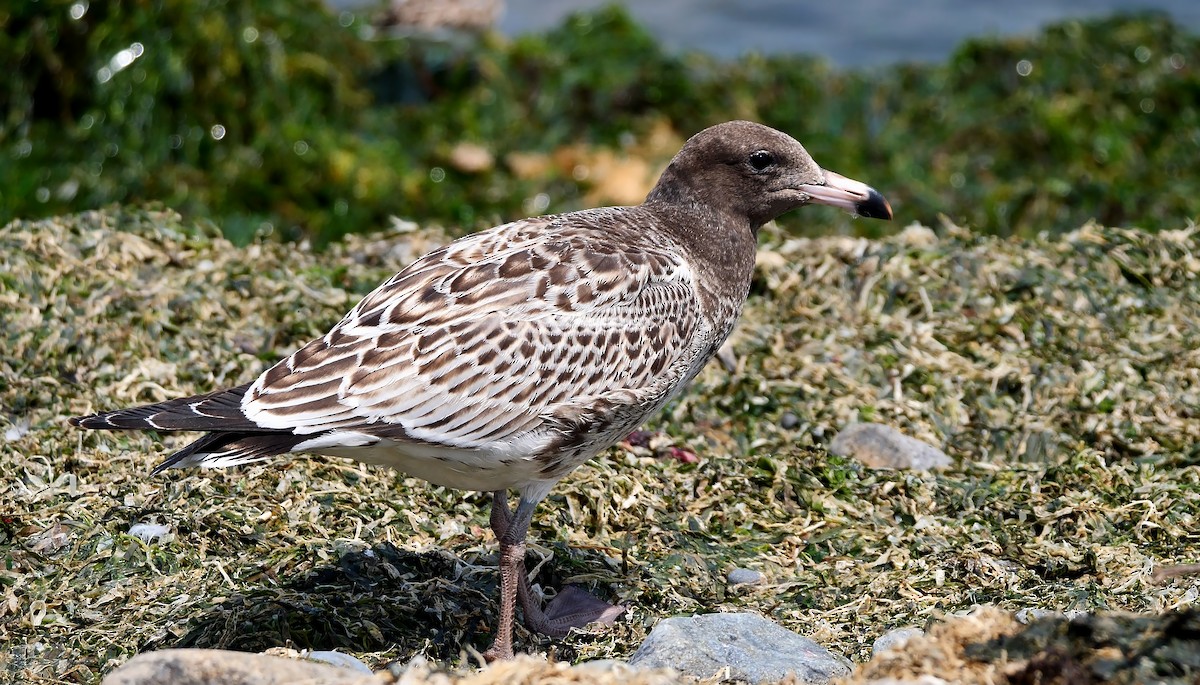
(214, 411)
(232, 438)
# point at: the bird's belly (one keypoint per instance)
(484, 470)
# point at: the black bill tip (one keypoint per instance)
(874, 207)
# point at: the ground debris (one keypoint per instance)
(1106, 648)
(1062, 375)
(990, 646)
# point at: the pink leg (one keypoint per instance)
(571, 608)
(511, 534)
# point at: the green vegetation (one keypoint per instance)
(322, 132)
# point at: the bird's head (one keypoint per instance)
(756, 172)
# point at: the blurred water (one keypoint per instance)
(846, 32)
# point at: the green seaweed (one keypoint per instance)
(329, 126)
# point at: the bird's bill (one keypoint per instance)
(850, 195)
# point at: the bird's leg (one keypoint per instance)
(535, 618)
(511, 529)
(501, 515)
(501, 519)
(571, 608)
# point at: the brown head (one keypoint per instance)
(750, 172)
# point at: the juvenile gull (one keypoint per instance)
(506, 359)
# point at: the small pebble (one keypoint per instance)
(894, 639)
(745, 576)
(878, 446)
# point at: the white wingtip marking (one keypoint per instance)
(336, 439)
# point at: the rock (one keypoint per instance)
(882, 447)
(745, 576)
(221, 667)
(341, 660)
(894, 639)
(333, 658)
(737, 647)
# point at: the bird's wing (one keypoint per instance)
(482, 339)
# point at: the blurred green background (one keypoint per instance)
(283, 119)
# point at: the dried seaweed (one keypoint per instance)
(1060, 373)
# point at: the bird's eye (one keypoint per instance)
(761, 159)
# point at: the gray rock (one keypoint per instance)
(745, 576)
(737, 647)
(882, 447)
(339, 659)
(220, 667)
(894, 639)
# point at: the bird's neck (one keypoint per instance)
(720, 246)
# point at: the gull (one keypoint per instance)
(506, 359)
